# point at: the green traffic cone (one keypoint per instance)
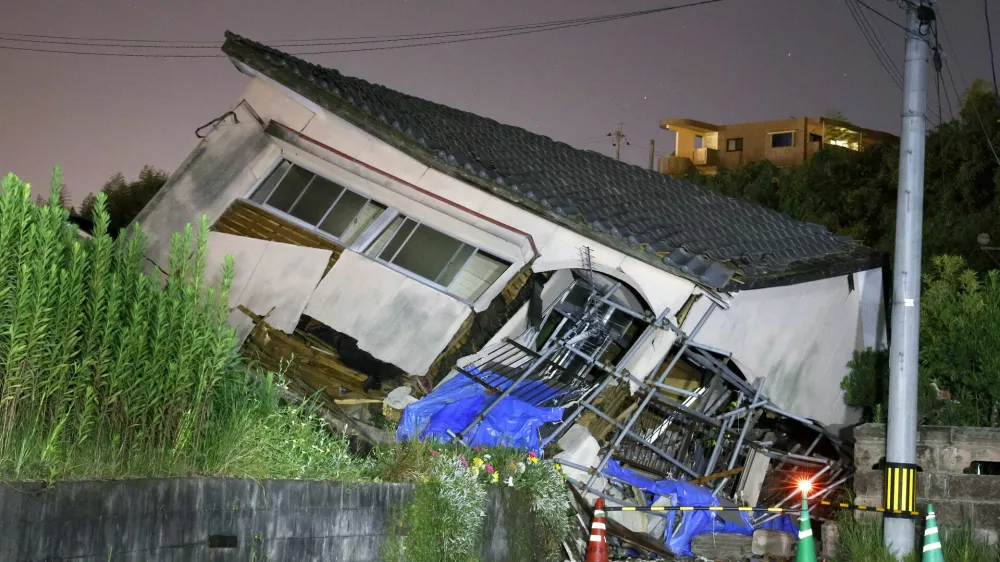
(932, 540)
(806, 551)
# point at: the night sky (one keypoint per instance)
(734, 61)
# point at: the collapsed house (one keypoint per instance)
(383, 240)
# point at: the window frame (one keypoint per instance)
(360, 249)
(737, 141)
(372, 231)
(771, 135)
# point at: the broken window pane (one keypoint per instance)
(290, 188)
(365, 218)
(427, 252)
(481, 271)
(340, 217)
(317, 198)
(265, 188)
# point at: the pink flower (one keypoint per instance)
(435, 453)
(531, 454)
(462, 460)
(489, 469)
(478, 448)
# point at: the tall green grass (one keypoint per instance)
(861, 541)
(104, 372)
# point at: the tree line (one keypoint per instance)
(854, 194)
(124, 199)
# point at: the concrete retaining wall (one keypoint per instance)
(210, 519)
(944, 454)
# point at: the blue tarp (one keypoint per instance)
(693, 523)
(455, 404)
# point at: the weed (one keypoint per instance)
(105, 374)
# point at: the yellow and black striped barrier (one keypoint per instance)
(836, 505)
(900, 484)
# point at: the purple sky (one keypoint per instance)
(738, 60)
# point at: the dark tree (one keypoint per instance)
(126, 199)
(854, 193)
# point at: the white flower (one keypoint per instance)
(510, 481)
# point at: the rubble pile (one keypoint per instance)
(691, 432)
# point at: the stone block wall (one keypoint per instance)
(944, 455)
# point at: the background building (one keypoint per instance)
(784, 142)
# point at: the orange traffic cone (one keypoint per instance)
(597, 548)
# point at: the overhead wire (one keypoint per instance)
(869, 31)
(168, 44)
(454, 37)
(213, 43)
(958, 92)
(881, 53)
(989, 39)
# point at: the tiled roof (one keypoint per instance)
(719, 241)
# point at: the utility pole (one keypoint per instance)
(652, 151)
(619, 136)
(901, 429)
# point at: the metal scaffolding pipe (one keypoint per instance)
(645, 335)
(649, 395)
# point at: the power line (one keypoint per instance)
(168, 44)
(862, 20)
(989, 39)
(883, 16)
(854, 14)
(958, 93)
(881, 53)
(212, 43)
(618, 135)
(467, 36)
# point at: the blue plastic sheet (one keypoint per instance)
(693, 523)
(455, 404)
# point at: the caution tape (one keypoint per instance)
(856, 507)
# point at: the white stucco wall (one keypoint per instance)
(219, 170)
(799, 337)
(393, 317)
(270, 278)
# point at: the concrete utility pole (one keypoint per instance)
(652, 151)
(619, 136)
(901, 429)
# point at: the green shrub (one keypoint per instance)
(103, 373)
(445, 520)
(959, 352)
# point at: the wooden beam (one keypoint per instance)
(724, 474)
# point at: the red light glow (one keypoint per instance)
(805, 486)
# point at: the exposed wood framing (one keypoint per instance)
(479, 327)
(245, 219)
(304, 357)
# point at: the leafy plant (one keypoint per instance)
(959, 363)
(103, 373)
(445, 519)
